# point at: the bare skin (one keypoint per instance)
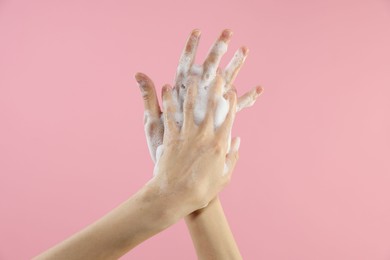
(211, 234)
(208, 226)
(184, 182)
(154, 128)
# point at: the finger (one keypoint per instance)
(235, 64)
(224, 129)
(169, 111)
(215, 54)
(187, 57)
(213, 93)
(189, 103)
(153, 125)
(154, 131)
(216, 87)
(232, 157)
(149, 94)
(249, 98)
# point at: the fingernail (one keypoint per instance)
(139, 78)
(245, 50)
(196, 32)
(259, 90)
(227, 33)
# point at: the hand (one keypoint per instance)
(188, 175)
(190, 171)
(154, 128)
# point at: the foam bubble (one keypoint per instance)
(159, 152)
(217, 50)
(196, 69)
(221, 111)
(237, 59)
(154, 130)
(201, 102)
(184, 63)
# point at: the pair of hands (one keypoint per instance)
(195, 162)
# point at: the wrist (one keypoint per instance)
(213, 204)
(164, 209)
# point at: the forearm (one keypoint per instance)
(211, 234)
(110, 237)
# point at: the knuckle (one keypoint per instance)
(218, 148)
(189, 46)
(190, 105)
(212, 102)
(145, 95)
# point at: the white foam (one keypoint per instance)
(201, 103)
(200, 109)
(159, 152)
(184, 63)
(237, 59)
(218, 50)
(221, 111)
(153, 137)
(196, 69)
(248, 101)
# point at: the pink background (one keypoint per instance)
(313, 179)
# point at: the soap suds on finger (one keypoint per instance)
(247, 100)
(205, 75)
(200, 109)
(217, 51)
(154, 129)
(234, 65)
